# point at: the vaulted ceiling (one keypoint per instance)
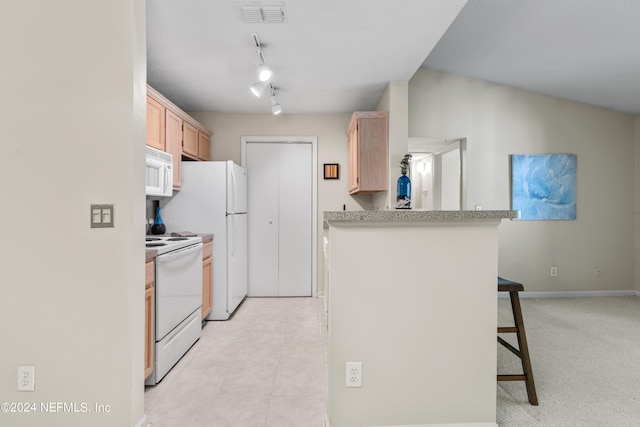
(582, 50)
(338, 56)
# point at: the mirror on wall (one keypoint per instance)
(438, 173)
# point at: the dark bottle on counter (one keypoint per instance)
(158, 226)
(404, 185)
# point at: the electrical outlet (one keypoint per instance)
(553, 272)
(354, 374)
(26, 378)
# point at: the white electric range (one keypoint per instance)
(178, 299)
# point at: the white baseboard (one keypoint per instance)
(572, 294)
(142, 422)
(448, 425)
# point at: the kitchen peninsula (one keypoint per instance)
(413, 296)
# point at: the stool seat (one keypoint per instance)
(505, 285)
(522, 351)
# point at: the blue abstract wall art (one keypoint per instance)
(543, 186)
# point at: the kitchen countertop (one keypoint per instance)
(151, 254)
(205, 237)
(410, 215)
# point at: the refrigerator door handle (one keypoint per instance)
(233, 235)
(233, 189)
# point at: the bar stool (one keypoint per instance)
(522, 352)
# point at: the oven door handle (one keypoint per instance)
(180, 253)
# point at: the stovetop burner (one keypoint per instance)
(165, 244)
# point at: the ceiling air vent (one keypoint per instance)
(263, 13)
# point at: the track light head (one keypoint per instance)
(275, 107)
(258, 88)
(264, 72)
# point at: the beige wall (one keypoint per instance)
(636, 210)
(498, 121)
(395, 101)
(73, 88)
(330, 129)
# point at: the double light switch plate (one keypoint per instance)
(101, 216)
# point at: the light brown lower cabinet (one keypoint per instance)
(149, 318)
(207, 268)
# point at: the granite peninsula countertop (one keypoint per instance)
(398, 215)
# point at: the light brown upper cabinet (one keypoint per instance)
(189, 140)
(368, 138)
(196, 144)
(155, 124)
(174, 145)
(204, 146)
(172, 130)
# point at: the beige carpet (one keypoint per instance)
(585, 354)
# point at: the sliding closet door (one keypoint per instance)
(280, 218)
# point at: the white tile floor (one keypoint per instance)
(265, 367)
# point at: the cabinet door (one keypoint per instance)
(353, 160)
(155, 124)
(207, 303)
(189, 139)
(373, 167)
(174, 145)
(149, 318)
(368, 137)
(204, 147)
(149, 327)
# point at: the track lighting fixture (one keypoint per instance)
(264, 77)
(275, 107)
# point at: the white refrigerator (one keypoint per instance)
(213, 199)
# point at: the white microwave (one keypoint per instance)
(159, 173)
